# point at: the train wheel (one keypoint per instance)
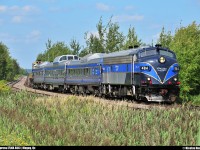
(96, 93)
(83, 94)
(172, 98)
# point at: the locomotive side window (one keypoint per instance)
(148, 53)
(166, 53)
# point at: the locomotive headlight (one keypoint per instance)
(148, 79)
(162, 59)
(175, 79)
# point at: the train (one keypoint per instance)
(148, 73)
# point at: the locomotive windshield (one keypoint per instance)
(151, 52)
(166, 53)
(148, 53)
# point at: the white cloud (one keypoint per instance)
(1, 21)
(17, 19)
(8, 38)
(103, 7)
(58, 9)
(14, 8)
(55, 9)
(129, 8)
(50, 1)
(31, 37)
(19, 14)
(17, 9)
(3, 8)
(34, 34)
(28, 8)
(127, 18)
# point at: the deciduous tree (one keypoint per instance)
(132, 39)
(186, 44)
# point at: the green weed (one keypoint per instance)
(83, 121)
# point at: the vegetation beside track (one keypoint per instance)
(3, 86)
(27, 119)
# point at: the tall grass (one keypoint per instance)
(81, 121)
(199, 135)
(195, 100)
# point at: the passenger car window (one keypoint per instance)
(75, 57)
(70, 57)
(63, 58)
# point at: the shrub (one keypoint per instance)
(3, 87)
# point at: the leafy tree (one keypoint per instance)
(84, 52)
(96, 43)
(132, 39)
(165, 38)
(52, 51)
(3, 61)
(16, 67)
(107, 39)
(41, 57)
(48, 44)
(110, 39)
(75, 46)
(186, 44)
(114, 38)
(9, 69)
(8, 66)
(101, 32)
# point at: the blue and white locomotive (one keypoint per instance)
(144, 73)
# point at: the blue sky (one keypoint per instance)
(26, 25)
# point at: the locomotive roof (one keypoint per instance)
(96, 57)
(125, 52)
(90, 57)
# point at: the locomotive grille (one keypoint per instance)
(118, 60)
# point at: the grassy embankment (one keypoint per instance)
(30, 120)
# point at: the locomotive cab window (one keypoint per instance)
(166, 53)
(148, 53)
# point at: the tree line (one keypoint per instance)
(9, 67)
(185, 43)
(107, 39)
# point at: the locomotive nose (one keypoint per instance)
(163, 67)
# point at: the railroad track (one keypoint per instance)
(20, 85)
